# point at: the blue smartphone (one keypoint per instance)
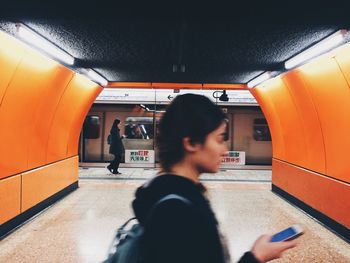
(287, 234)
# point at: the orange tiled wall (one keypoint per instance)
(308, 111)
(329, 196)
(42, 108)
(41, 183)
(10, 198)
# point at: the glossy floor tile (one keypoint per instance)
(142, 174)
(80, 227)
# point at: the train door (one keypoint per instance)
(251, 135)
(92, 137)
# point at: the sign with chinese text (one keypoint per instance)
(234, 157)
(139, 156)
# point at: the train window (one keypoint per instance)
(139, 127)
(261, 130)
(91, 127)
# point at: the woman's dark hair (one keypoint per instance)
(189, 115)
(115, 125)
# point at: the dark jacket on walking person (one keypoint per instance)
(178, 232)
(116, 147)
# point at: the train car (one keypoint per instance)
(247, 131)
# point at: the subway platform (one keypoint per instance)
(81, 226)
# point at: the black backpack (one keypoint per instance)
(126, 245)
(109, 139)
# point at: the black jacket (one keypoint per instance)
(116, 147)
(175, 231)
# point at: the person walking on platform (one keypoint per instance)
(184, 229)
(116, 147)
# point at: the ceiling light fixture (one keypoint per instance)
(94, 76)
(259, 79)
(324, 45)
(43, 44)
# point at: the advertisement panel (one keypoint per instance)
(234, 158)
(139, 156)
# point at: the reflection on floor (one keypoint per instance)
(80, 227)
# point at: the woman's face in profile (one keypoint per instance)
(209, 155)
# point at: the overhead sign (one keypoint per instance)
(234, 158)
(139, 156)
(165, 96)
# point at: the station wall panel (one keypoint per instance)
(43, 182)
(10, 56)
(291, 126)
(10, 198)
(330, 197)
(314, 152)
(44, 114)
(68, 112)
(18, 108)
(331, 95)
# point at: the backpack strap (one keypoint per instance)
(166, 198)
(121, 230)
(172, 196)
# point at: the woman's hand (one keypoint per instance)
(264, 250)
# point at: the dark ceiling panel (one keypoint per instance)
(216, 44)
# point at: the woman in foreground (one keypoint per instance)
(191, 141)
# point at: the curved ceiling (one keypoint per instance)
(216, 44)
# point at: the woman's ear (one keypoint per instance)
(189, 146)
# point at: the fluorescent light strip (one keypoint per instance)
(43, 44)
(94, 76)
(261, 78)
(328, 43)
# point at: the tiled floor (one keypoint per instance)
(80, 227)
(142, 174)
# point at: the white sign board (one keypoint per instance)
(234, 157)
(165, 96)
(139, 156)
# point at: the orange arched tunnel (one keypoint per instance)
(43, 105)
(308, 112)
(42, 108)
